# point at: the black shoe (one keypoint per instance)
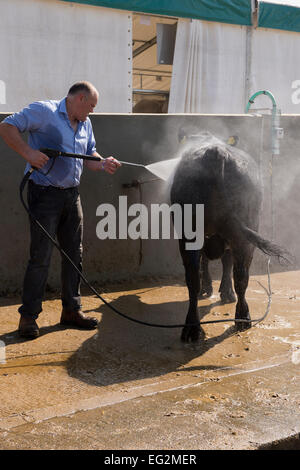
(28, 327)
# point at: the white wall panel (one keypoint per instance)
(276, 67)
(47, 45)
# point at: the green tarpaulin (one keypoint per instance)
(284, 15)
(224, 11)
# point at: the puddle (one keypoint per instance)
(277, 323)
(295, 347)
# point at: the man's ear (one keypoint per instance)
(81, 97)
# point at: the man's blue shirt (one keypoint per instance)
(48, 125)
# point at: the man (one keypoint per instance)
(53, 195)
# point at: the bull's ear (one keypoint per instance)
(181, 135)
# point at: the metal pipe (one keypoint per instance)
(139, 50)
(275, 133)
(262, 92)
(159, 72)
(275, 129)
(150, 92)
(151, 74)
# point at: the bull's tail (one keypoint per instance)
(266, 246)
(214, 160)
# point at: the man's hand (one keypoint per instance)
(110, 165)
(12, 137)
(36, 159)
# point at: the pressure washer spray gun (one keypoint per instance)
(51, 153)
(160, 169)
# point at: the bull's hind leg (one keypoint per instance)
(226, 291)
(191, 262)
(241, 265)
(205, 279)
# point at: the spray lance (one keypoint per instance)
(160, 169)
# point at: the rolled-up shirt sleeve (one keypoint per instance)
(91, 145)
(29, 119)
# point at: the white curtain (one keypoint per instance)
(47, 45)
(209, 68)
(211, 61)
(275, 67)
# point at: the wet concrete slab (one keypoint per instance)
(128, 386)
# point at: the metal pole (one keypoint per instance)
(274, 143)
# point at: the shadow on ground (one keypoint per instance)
(123, 351)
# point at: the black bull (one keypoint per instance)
(226, 181)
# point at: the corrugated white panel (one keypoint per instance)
(47, 45)
(275, 67)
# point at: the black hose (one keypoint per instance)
(86, 282)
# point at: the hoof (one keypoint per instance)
(191, 334)
(206, 292)
(227, 297)
(242, 324)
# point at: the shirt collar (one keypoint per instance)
(62, 106)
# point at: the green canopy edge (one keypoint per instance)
(271, 15)
(224, 11)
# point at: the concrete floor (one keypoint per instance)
(128, 386)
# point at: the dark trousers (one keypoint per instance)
(60, 212)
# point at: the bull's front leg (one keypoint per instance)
(191, 261)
